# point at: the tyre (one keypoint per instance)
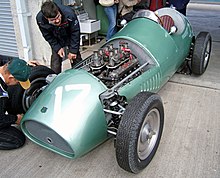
(17, 101)
(31, 94)
(201, 53)
(139, 132)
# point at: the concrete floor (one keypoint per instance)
(190, 144)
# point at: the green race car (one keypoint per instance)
(113, 92)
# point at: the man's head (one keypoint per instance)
(19, 71)
(51, 12)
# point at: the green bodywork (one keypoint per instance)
(70, 107)
(68, 117)
(168, 52)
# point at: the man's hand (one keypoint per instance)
(61, 53)
(33, 63)
(19, 119)
(71, 57)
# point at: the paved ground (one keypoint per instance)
(190, 145)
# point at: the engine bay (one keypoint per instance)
(112, 64)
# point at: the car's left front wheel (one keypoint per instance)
(139, 132)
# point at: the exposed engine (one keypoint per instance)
(111, 64)
(115, 65)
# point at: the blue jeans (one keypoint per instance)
(111, 13)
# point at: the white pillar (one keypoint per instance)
(24, 28)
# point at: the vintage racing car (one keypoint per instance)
(113, 92)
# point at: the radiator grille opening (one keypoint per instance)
(47, 136)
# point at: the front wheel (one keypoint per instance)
(139, 132)
(20, 99)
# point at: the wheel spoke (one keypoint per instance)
(207, 53)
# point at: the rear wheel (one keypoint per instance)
(201, 53)
(139, 132)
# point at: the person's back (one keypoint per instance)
(126, 6)
(126, 10)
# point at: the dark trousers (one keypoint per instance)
(56, 61)
(182, 11)
(10, 137)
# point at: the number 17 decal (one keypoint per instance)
(84, 92)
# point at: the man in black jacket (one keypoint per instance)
(60, 28)
(13, 72)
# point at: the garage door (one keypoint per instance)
(8, 45)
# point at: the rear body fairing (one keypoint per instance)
(167, 51)
(164, 51)
(68, 113)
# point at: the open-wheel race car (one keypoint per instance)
(113, 92)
